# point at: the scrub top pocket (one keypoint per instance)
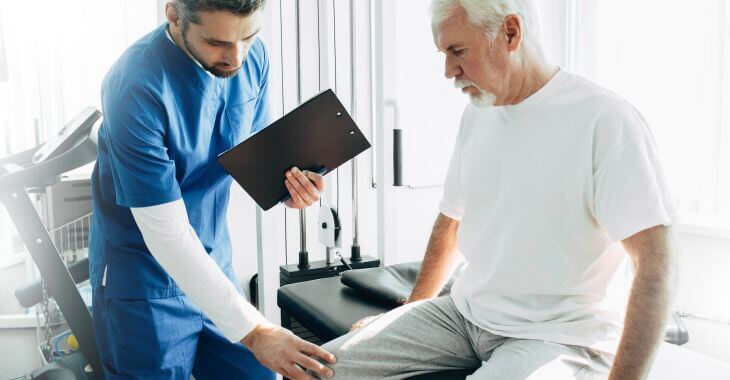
(240, 120)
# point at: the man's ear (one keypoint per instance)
(172, 17)
(512, 28)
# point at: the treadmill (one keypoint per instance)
(32, 171)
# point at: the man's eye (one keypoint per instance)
(459, 52)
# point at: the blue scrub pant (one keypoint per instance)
(166, 338)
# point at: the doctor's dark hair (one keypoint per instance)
(188, 10)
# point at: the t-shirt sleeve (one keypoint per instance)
(452, 201)
(175, 245)
(143, 173)
(630, 190)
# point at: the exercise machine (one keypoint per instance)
(32, 171)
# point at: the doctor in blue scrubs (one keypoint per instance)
(166, 303)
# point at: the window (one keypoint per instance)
(53, 58)
(671, 59)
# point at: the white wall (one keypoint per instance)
(242, 226)
(704, 286)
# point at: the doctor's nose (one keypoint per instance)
(236, 54)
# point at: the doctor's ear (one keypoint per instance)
(172, 16)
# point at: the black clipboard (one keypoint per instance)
(319, 136)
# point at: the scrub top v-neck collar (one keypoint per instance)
(169, 37)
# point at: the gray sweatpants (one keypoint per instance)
(432, 335)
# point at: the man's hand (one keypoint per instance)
(304, 187)
(281, 351)
(363, 322)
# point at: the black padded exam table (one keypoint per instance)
(311, 303)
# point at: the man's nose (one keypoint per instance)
(236, 54)
(451, 70)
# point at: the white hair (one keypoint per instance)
(490, 14)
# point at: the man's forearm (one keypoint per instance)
(651, 297)
(440, 261)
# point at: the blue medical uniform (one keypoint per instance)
(165, 122)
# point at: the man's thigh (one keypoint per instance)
(417, 338)
(536, 359)
(145, 338)
(218, 358)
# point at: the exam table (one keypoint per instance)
(327, 308)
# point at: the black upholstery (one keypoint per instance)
(312, 304)
(392, 284)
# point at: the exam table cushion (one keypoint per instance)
(391, 284)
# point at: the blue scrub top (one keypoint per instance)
(165, 122)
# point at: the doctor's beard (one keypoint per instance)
(210, 68)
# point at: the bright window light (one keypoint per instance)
(671, 59)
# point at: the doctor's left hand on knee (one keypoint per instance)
(283, 352)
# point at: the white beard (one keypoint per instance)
(483, 100)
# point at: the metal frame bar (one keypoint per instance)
(353, 112)
(298, 55)
(45, 254)
(385, 212)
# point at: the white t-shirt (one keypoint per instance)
(541, 189)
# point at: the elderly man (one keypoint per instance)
(548, 170)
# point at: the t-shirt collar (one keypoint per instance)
(511, 112)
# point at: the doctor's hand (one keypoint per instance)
(281, 351)
(304, 187)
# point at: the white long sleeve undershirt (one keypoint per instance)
(174, 243)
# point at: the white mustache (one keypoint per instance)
(483, 99)
(461, 83)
